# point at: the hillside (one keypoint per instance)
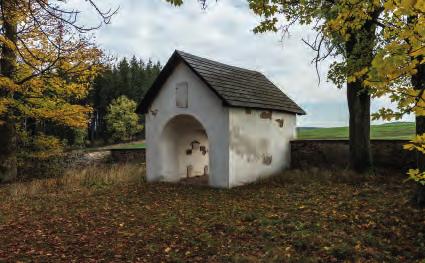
(389, 131)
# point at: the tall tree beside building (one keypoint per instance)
(346, 30)
(383, 46)
(47, 62)
(398, 72)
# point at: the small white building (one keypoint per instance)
(205, 118)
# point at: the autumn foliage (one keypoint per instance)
(47, 64)
(54, 66)
(122, 120)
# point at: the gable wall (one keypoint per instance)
(259, 143)
(204, 106)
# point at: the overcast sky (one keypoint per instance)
(223, 32)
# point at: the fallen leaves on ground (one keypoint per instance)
(272, 221)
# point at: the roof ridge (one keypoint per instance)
(216, 62)
(235, 86)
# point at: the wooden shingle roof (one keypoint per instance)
(237, 87)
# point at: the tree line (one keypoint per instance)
(128, 78)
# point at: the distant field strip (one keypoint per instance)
(390, 131)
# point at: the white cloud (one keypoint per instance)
(223, 32)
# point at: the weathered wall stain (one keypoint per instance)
(267, 159)
(253, 149)
(195, 145)
(280, 122)
(203, 149)
(258, 146)
(266, 115)
(154, 112)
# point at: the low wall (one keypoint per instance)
(334, 154)
(128, 155)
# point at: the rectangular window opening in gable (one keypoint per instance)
(182, 95)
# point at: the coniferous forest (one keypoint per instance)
(130, 78)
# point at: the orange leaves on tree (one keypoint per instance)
(55, 66)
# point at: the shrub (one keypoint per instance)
(122, 122)
(80, 136)
(37, 166)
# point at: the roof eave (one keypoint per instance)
(150, 95)
(297, 112)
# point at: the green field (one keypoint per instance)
(131, 145)
(389, 131)
(134, 145)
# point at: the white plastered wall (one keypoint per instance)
(259, 144)
(204, 106)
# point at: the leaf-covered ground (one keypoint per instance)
(285, 219)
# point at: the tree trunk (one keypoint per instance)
(359, 129)
(8, 170)
(419, 195)
(359, 49)
(418, 82)
(8, 69)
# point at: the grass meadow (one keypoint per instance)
(390, 131)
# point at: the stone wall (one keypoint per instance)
(128, 155)
(334, 154)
